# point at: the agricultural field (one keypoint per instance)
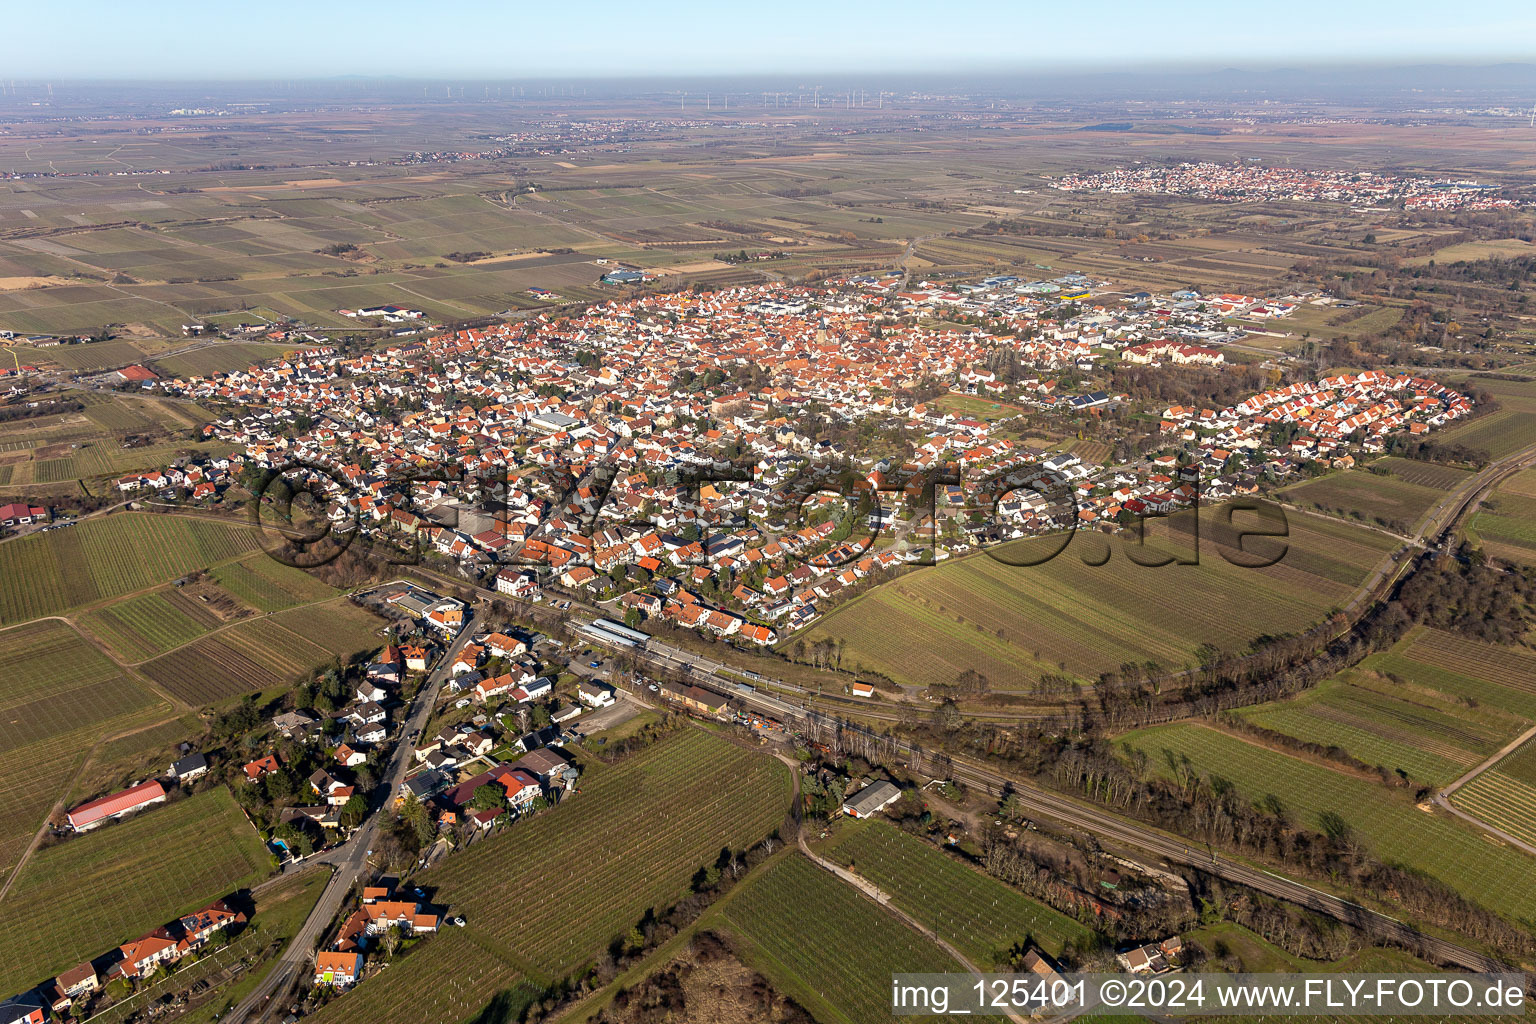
(1476, 674)
(1509, 428)
(268, 585)
(1505, 526)
(145, 625)
(825, 944)
(450, 977)
(54, 572)
(263, 653)
(1370, 497)
(55, 682)
(281, 909)
(641, 829)
(339, 626)
(61, 695)
(1014, 623)
(1397, 711)
(134, 754)
(221, 357)
(589, 869)
(80, 898)
(980, 916)
(1505, 795)
(1434, 475)
(111, 435)
(1388, 825)
(1492, 249)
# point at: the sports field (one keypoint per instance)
(1014, 623)
(80, 898)
(1388, 825)
(980, 916)
(53, 572)
(821, 941)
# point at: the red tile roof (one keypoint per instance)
(117, 803)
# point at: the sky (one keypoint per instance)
(420, 39)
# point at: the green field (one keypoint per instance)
(1435, 475)
(1506, 524)
(1470, 671)
(1014, 623)
(268, 585)
(585, 872)
(50, 573)
(1403, 710)
(263, 653)
(977, 914)
(80, 898)
(60, 695)
(1392, 828)
(1507, 429)
(1505, 795)
(144, 625)
(1372, 497)
(219, 358)
(822, 942)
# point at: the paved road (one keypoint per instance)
(350, 860)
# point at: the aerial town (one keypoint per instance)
(485, 447)
(683, 517)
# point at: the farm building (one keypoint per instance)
(871, 800)
(89, 815)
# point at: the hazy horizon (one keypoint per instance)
(177, 40)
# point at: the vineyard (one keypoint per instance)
(1432, 736)
(56, 682)
(61, 695)
(1506, 525)
(263, 653)
(825, 944)
(50, 573)
(144, 625)
(269, 586)
(1505, 795)
(1388, 825)
(978, 915)
(339, 626)
(1508, 428)
(80, 898)
(1372, 497)
(1014, 623)
(553, 891)
(1481, 674)
(449, 978)
(1425, 474)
